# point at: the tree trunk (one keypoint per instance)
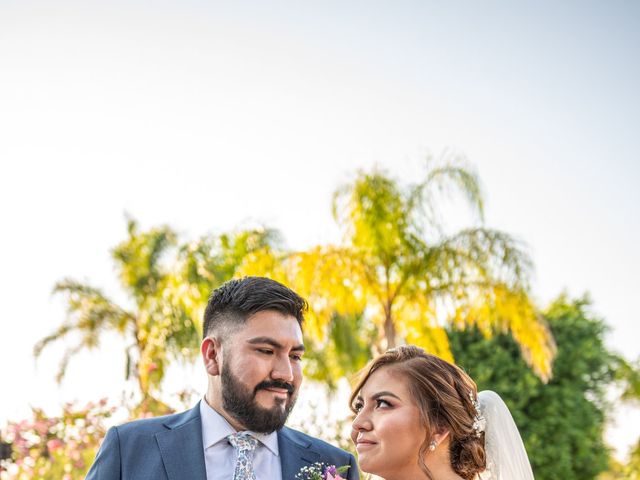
(389, 327)
(141, 376)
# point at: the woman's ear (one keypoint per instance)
(212, 355)
(440, 435)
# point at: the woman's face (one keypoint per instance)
(387, 430)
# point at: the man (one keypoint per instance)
(252, 349)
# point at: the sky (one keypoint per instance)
(212, 116)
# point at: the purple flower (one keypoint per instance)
(331, 469)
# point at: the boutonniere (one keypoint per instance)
(320, 471)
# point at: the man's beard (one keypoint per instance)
(241, 403)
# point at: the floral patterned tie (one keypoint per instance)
(244, 444)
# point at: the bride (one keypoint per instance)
(420, 417)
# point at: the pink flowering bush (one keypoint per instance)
(55, 447)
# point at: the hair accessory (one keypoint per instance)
(479, 422)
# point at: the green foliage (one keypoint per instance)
(347, 350)
(139, 258)
(632, 468)
(625, 471)
(562, 422)
(629, 375)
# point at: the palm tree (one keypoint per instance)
(404, 277)
(143, 275)
(167, 285)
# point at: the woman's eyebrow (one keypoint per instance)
(377, 395)
(384, 393)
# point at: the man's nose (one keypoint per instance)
(282, 369)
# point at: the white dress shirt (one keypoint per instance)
(220, 456)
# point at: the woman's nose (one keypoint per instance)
(361, 422)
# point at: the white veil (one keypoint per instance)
(506, 456)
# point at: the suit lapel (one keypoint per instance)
(293, 454)
(183, 454)
(181, 446)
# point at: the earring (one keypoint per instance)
(433, 445)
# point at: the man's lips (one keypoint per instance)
(275, 386)
(278, 391)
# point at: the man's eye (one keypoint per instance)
(266, 351)
(297, 357)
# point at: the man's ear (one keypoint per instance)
(212, 355)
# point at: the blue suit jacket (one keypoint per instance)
(170, 448)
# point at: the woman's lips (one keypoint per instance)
(365, 444)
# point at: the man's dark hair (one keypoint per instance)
(236, 300)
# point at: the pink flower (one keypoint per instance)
(54, 444)
(41, 427)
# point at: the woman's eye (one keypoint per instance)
(382, 403)
(358, 406)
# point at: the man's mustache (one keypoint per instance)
(274, 384)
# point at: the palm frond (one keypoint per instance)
(139, 258)
(89, 314)
(450, 177)
(479, 255)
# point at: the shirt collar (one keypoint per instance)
(215, 428)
